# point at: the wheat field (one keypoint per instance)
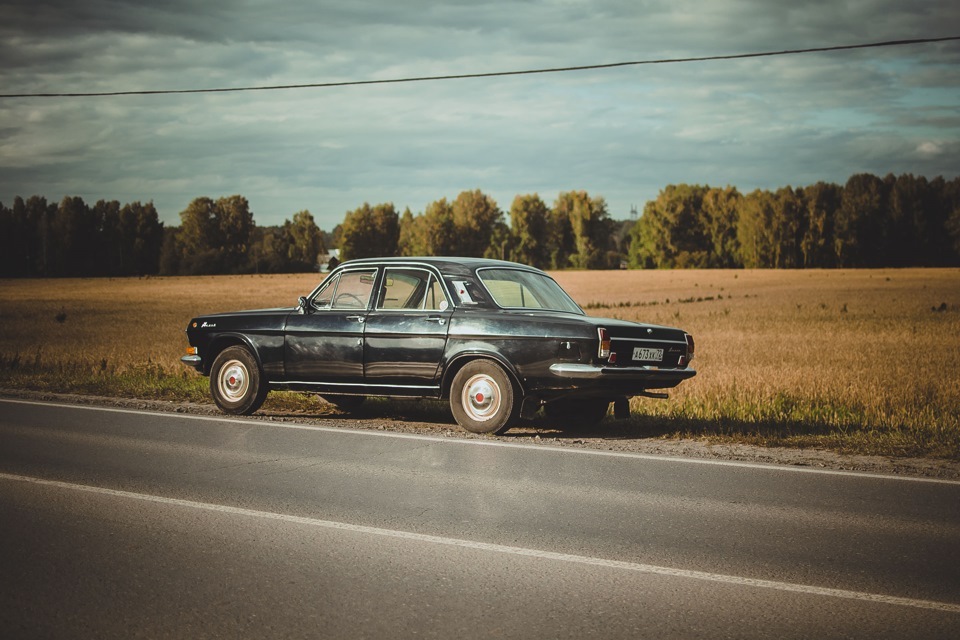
(854, 360)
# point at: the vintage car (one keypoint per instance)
(498, 339)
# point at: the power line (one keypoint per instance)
(492, 74)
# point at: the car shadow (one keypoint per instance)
(436, 414)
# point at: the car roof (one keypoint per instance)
(447, 265)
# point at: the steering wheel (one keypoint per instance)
(349, 296)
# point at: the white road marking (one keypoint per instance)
(498, 548)
(495, 443)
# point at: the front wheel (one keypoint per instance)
(483, 398)
(236, 381)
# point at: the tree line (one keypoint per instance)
(71, 238)
(895, 221)
(577, 232)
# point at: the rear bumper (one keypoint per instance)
(622, 379)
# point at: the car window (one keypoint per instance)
(325, 295)
(352, 290)
(411, 289)
(436, 299)
(517, 289)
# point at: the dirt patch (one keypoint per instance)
(605, 437)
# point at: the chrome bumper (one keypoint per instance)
(589, 371)
(193, 361)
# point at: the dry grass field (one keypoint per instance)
(852, 360)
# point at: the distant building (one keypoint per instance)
(329, 260)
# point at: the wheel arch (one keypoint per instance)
(462, 359)
(224, 341)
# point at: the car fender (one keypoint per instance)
(221, 341)
(454, 362)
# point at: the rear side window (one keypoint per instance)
(411, 289)
(517, 289)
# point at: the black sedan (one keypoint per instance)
(500, 340)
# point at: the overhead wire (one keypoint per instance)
(491, 74)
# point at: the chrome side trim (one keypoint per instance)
(619, 339)
(357, 384)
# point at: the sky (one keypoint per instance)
(620, 133)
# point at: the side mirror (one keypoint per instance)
(302, 306)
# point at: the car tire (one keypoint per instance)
(483, 398)
(582, 412)
(236, 382)
(345, 403)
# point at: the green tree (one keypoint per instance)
(236, 225)
(305, 241)
(785, 229)
(476, 218)
(439, 229)
(370, 232)
(200, 240)
(413, 238)
(820, 203)
(721, 214)
(589, 226)
(860, 230)
(113, 249)
(215, 235)
(73, 243)
(19, 241)
(530, 225)
(949, 202)
(270, 250)
(755, 232)
(673, 232)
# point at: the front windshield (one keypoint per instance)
(516, 289)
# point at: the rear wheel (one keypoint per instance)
(582, 412)
(236, 382)
(483, 398)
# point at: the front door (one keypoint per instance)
(324, 342)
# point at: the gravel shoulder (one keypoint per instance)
(605, 437)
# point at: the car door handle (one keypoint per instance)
(359, 319)
(438, 319)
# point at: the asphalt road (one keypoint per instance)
(118, 523)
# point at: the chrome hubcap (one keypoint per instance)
(233, 380)
(480, 397)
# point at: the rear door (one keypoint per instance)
(325, 342)
(406, 331)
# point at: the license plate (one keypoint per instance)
(650, 355)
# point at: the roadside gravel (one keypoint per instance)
(606, 437)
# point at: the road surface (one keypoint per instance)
(119, 523)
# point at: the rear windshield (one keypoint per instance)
(516, 289)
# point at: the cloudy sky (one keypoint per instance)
(621, 133)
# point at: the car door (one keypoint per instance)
(324, 341)
(406, 331)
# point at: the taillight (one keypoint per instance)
(690, 346)
(604, 351)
